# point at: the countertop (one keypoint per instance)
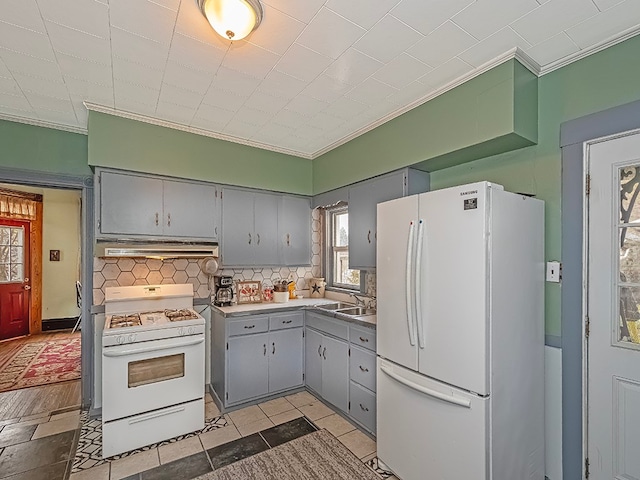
(307, 303)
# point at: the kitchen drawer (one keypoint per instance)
(328, 325)
(286, 320)
(363, 337)
(363, 406)
(362, 368)
(248, 325)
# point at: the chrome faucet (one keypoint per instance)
(367, 302)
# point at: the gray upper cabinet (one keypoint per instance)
(190, 210)
(265, 229)
(249, 228)
(130, 204)
(294, 222)
(147, 206)
(363, 201)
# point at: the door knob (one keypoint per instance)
(27, 287)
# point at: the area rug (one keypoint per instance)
(316, 456)
(41, 363)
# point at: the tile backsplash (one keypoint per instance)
(114, 272)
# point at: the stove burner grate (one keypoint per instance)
(129, 320)
(178, 315)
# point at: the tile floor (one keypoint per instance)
(39, 446)
(247, 431)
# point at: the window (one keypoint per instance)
(339, 273)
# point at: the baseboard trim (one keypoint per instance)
(58, 323)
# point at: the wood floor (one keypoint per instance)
(41, 399)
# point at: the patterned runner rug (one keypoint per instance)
(40, 363)
(316, 456)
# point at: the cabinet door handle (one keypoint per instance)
(319, 350)
(363, 369)
(249, 326)
(168, 219)
(157, 218)
(249, 239)
(287, 321)
(364, 409)
(365, 340)
(324, 353)
(264, 345)
(258, 235)
(215, 230)
(288, 240)
(273, 352)
(369, 236)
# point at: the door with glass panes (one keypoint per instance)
(14, 281)
(613, 309)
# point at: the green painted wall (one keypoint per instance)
(126, 144)
(27, 147)
(490, 114)
(604, 80)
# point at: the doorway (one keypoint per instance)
(39, 292)
(613, 307)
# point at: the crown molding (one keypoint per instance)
(499, 60)
(197, 131)
(598, 47)
(43, 123)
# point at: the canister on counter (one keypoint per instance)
(316, 287)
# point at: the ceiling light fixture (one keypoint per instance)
(232, 19)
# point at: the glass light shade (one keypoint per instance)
(232, 19)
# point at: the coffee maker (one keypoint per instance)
(224, 290)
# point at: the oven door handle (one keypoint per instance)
(133, 351)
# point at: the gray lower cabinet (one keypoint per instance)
(256, 355)
(327, 368)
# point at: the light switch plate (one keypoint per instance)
(554, 272)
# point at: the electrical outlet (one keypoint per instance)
(554, 272)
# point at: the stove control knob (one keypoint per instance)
(119, 339)
(131, 338)
(192, 330)
(180, 331)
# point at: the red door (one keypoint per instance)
(14, 278)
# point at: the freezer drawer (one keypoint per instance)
(425, 426)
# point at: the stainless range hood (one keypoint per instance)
(155, 250)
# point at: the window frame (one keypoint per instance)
(330, 249)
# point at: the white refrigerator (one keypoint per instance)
(460, 335)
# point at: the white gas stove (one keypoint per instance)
(152, 366)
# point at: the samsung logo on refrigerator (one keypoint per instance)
(468, 192)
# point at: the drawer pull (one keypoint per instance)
(249, 326)
(264, 352)
(364, 409)
(320, 350)
(364, 369)
(365, 340)
(287, 321)
(273, 352)
(324, 353)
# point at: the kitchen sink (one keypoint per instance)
(335, 306)
(356, 311)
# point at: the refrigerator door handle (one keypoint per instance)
(427, 391)
(418, 286)
(407, 286)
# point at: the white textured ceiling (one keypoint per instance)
(315, 73)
